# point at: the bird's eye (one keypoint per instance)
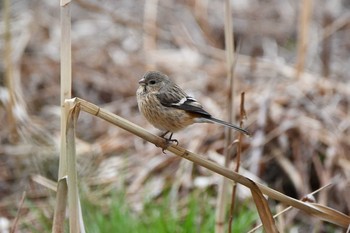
(152, 82)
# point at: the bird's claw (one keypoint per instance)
(168, 142)
(172, 140)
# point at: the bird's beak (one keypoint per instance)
(142, 82)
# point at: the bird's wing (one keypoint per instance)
(182, 101)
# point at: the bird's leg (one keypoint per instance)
(163, 134)
(168, 140)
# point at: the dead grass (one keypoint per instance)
(300, 126)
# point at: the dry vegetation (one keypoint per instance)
(300, 126)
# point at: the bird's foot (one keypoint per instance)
(168, 141)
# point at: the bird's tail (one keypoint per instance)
(224, 123)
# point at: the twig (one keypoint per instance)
(238, 159)
(13, 228)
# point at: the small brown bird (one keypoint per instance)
(167, 107)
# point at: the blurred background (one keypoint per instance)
(299, 118)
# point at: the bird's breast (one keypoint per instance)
(162, 117)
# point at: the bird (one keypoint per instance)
(168, 108)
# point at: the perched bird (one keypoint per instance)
(167, 107)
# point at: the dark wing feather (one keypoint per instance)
(183, 102)
(167, 99)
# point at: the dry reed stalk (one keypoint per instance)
(9, 78)
(150, 25)
(223, 185)
(66, 79)
(238, 162)
(263, 209)
(66, 87)
(150, 29)
(260, 201)
(326, 46)
(15, 222)
(75, 214)
(337, 24)
(303, 35)
(60, 208)
(45, 182)
(305, 199)
(67, 177)
(281, 223)
(200, 11)
(323, 212)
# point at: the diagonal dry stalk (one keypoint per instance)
(263, 209)
(290, 207)
(323, 212)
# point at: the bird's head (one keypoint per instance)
(153, 81)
